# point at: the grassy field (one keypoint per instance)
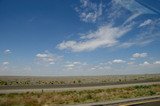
(26, 80)
(77, 97)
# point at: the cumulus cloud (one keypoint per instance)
(118, 61)
(5, 63)
(104, 36)
(145, 63)
(7, 51)
(139, 55)
(47, 58)
(42, 55)
(89, 11)
(74, 65)
(146, 22)
(70, 65)
(156, 62)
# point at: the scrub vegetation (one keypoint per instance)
(17, 80)
(77, 97)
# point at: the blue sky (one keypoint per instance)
(79, 37)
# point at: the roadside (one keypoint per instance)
(125, 102)
(50, 89)
(77, 95)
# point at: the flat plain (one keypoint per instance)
(75, 90)
(73, 80)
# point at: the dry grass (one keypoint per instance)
(76, 97)
(14, 80)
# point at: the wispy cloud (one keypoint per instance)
(143, 38)
(7, 51)
(74, 65)
(134, 7)
(104, 36)
(47, 58)
(118, 61)
(146, 22)
(4, 66)
(108, 35)
(139, 55)
(116, 66)
(148, 33)
(156, 62)
(5, 63)
(146, 63)
(89, 11)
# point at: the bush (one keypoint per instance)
(141, 87)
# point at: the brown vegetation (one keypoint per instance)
(11, 81)
(76, 97)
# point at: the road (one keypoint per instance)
(157, 103)
(150, 101)
(142, 101)
(22, 89)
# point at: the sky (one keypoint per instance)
(79, 37)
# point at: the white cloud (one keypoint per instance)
(156, 62)
(5, 63)
(118, 61)
(75, 65)
(108, 35)
(140, 55)
(93, 68)
(145, 63)
(4, 66)
(76, 62)
(136, 9)
(134, 6)
(47, 58)
(70, 65)
(7, 51)
(146, 22)
(145, 36)
(104, 36)
(136, 42)
(143, 39)
(132, 17)
(42, 55)
(89, 11)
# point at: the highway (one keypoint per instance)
(142, 101)
(49, 88)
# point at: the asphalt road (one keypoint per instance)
(149, 102)
(157, 103)
(21, 89)
(142, 101)
(6, 87)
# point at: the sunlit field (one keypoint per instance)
(79, 52)
(110, 79)
(76, 97)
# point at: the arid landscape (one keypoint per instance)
(79, 52)
(71, 80)
(48, 91)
